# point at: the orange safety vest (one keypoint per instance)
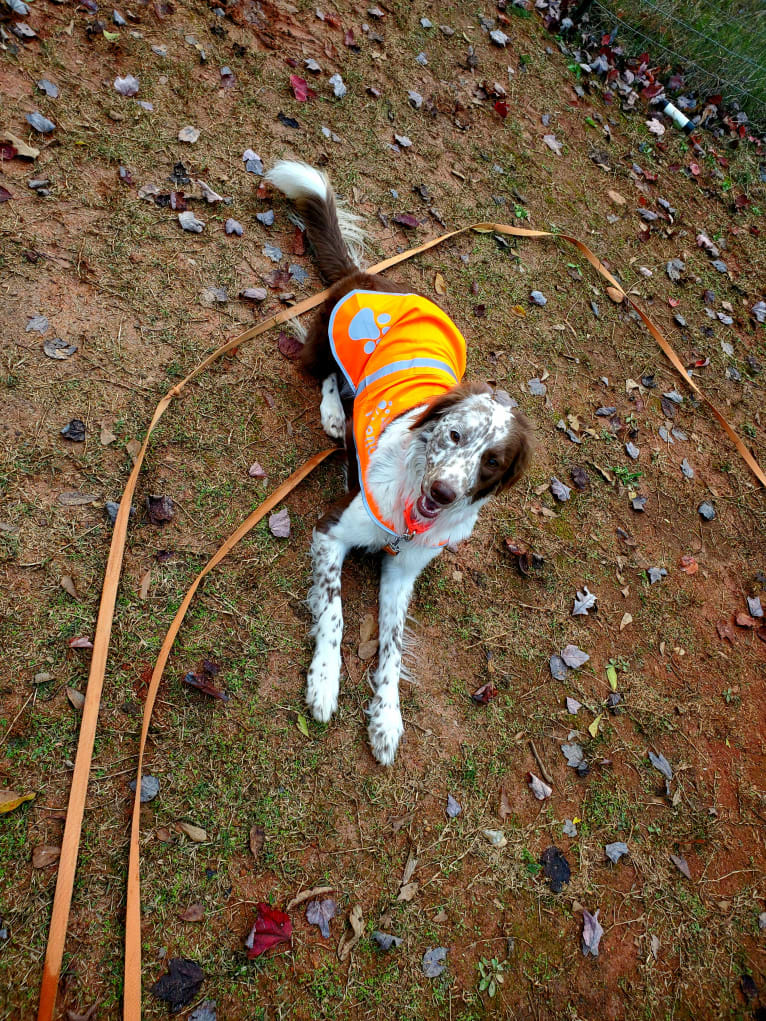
(397, 351)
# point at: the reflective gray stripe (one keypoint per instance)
(402, 366)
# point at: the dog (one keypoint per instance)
(425, 450)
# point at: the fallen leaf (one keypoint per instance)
(289, 345)
(76, 698)
(188, 134)
(80, 643)
(574, 657)
(616, 850)
(593, 728)
(681, 865)
(312, 894)
(553, 143)
(76, 499)
(386, 941)
(584, 601)
(180, 985)
(257, 839)
(407, 891)
(662, 765)
(39, 123)
(725, 630)
(338, 87)
(439, 284)
(434, 962)
(24, 150)
(45, 855)
(573, 706)
(745, 620)
(194, 913)
(688, 564)
(504, 808)
(190, 222)
(9, 800)
(453, 808)
(206, 1011)
(574, 754)
(540, 790)
(555, 868)
(127, 86)
(591, 933)
(279, 524)
(58, 348)
(484, 694)
(300, 88)
(347, 943)
(367, 649)
(160, 509)
(195, 833)
(321, 913)
(558, 668)
(302, 724)
(627, 618)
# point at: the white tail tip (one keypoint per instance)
(297, 180)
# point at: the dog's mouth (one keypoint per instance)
(427, 507)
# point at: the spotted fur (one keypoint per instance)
(445, 460)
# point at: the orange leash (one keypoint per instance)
(73, 825)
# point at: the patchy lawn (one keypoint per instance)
(117, 277)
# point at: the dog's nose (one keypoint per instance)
(442, 494)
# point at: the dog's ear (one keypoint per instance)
(520, 446)
(439, 406)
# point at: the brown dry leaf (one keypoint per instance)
(45, 855)
(194, 913)
(626, 619)
(107, 436)
(402, 821)
(195, 833)
(75, 697)
(143, 585)
(439, 284)
(347, 943)
(688, 564)
(317, 891)
(368, 649)
(10, 800)
(615, 295)
(133, 447)
(409, 869)
(368, 628)
(616, 198)
(21, 147)
(725, 630)
(504, 809)
(745, 620)
(407, 891)
(257, 839)
(163, 834)
(68, 586)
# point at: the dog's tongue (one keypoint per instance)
(413, 524)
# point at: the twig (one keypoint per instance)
(546, 775)
(5, 735)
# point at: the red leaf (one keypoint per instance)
(688, 564)
(271, 928)
(501, 107)
(4, 194)
(485, 693)
(695, 169)
(299, 242)
(348, 38)
(301, 89)
(673, 302)
(7, 151)
(202, 680)
(289, 345)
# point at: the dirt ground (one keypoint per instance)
(115, 275)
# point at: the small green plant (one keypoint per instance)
(627, 475)
(731, 697)
(531, 865)
(490, 975)
(520, 212)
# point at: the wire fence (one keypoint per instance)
(719, 46)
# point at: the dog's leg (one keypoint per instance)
(331, 409)
(323, 682)
(397, 581)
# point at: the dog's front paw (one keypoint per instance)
(333, 423)
(385, 730)
(322, 686)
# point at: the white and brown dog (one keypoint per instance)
(427, 449)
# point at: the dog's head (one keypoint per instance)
(473, 446)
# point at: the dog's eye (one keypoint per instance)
(492, 462)
(454, 436)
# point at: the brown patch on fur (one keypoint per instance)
(444, 403)
(512, 457)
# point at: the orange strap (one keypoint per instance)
(73, 826)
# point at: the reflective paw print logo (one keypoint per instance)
(366, 326)
(377, 419)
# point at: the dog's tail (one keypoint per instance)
(333, 230)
